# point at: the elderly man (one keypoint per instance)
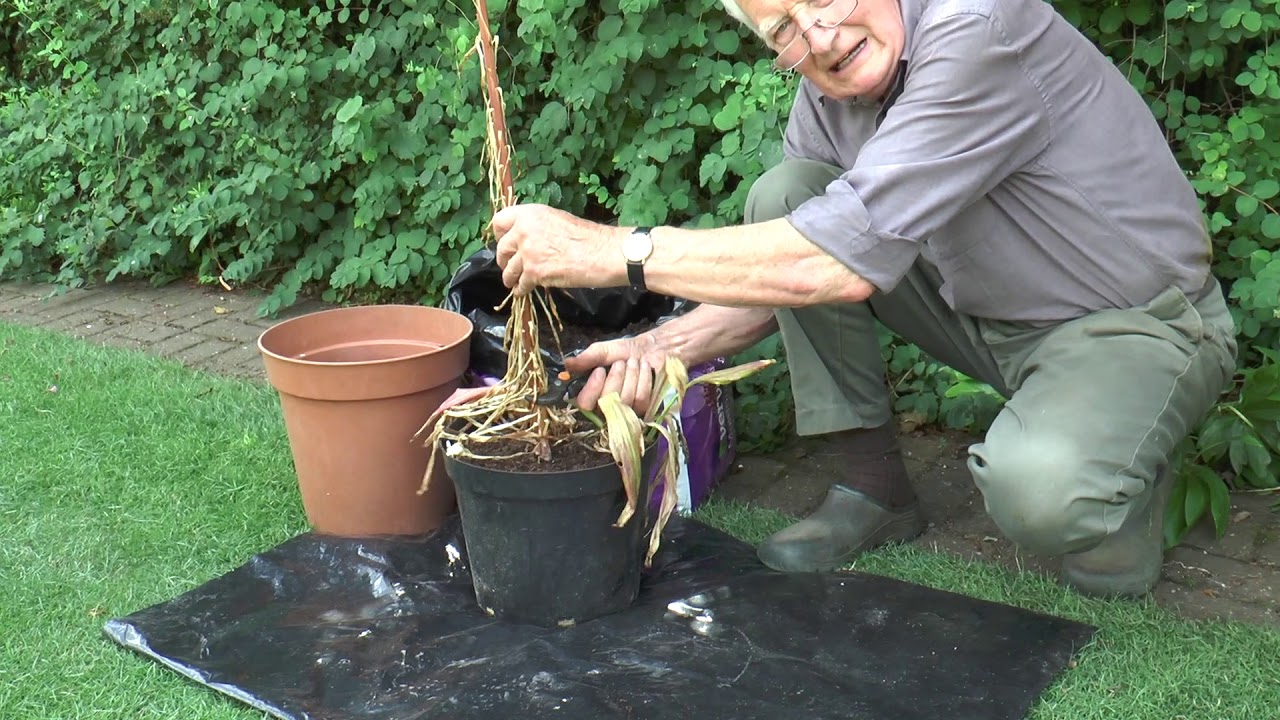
(979, 178)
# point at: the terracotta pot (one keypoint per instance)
(355, 385)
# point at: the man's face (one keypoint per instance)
(857, 58)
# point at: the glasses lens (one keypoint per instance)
(793, 54)
(838, 11)
(828, 15)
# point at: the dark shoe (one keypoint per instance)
(1127, 562)
(847, 524)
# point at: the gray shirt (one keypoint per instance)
(1016, 158)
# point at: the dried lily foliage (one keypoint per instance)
(629, 437)
(473, 417)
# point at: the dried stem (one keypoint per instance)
(508, 411)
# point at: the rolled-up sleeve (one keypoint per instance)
(968, 116)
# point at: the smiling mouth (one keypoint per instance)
(848, 59)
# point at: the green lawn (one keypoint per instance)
(128, 480)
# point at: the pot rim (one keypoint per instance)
(466, 337)
(608, 462)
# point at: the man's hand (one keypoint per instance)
(627, 366)
(539, 246)
(630, 366)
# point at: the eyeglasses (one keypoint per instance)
(792, 43)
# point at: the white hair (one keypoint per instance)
(733, 8)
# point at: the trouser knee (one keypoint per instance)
(1037, 493)
(785, 187)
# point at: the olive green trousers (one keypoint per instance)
(1095, 406)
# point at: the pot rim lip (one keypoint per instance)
(466, 337)
(609, 461)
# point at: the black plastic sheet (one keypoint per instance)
(326, 629)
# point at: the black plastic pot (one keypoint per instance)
(542, 546)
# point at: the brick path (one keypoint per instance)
(1236, 577)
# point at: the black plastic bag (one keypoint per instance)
(607, 313)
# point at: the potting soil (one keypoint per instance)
(327, 629)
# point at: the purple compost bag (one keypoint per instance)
(706, 421)
(706, 417)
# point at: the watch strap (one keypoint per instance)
(635, 270)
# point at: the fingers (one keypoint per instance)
(512, 271)
(510, 243)
(590, 393)
(616, 377)
(632, 379)
(600, 354)
(502, 223)
(644, 388)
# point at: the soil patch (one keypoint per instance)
(572, 455)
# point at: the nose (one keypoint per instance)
(820, 36)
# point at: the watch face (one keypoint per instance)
(637, 247)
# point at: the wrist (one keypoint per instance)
(612, 266)
(637, 247)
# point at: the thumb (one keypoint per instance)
(596, 355)
(504, 219)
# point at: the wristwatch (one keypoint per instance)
(636, 249)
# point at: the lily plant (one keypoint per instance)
(472, 418)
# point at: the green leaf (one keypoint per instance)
(413, 239)
(1271, 226)
(1219, 505)
(1197, 499)
(1241, 449)
(1139, 12)
(1251, 21)
(1215, 435)
(1246, 205)
(1111, 20)
(729, 116)
(1175, 516)
(726, 42)
(609, 28)
(1242, 246)
(1219, 499)
(1266, 189)
(364, 47)
(349, 109)
(1259, 457)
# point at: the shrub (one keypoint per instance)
(336, 146)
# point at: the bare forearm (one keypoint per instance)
(712, 331)
(766, 264)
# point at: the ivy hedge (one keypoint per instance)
(335, 147)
